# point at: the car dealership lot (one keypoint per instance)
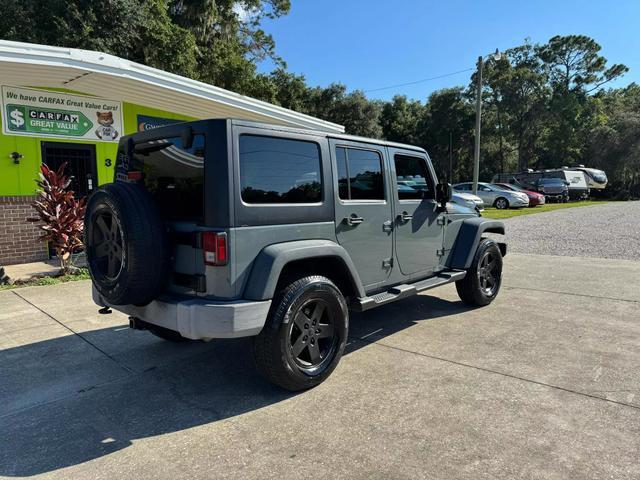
(543, 383)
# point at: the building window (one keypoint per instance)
(279, 170)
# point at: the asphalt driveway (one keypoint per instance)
(541, 384)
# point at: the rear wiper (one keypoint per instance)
(150, 147)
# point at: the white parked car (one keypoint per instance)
(495, 196)
(468, 200)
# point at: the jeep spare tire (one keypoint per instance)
(126, 244)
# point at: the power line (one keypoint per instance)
(419, 81)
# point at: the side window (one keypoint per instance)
(484, 188)
(279, 170)
(359, 174)
(412, 178)
(463, 187)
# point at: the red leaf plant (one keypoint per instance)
(61, 214)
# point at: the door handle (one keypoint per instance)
(404, 217)
(353, 220)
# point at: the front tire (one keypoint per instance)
(304, 336)
(501, 203)
(484, 277)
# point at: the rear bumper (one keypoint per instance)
(199, 318)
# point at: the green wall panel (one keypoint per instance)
(20, 179)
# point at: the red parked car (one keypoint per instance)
(535, 198)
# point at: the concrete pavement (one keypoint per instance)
(541, 384)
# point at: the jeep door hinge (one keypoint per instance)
(440, 252)
(387, 263)
(441, 220)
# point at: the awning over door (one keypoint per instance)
(103, 75)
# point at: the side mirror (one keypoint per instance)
(443, 194)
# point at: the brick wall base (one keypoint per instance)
(19, 239)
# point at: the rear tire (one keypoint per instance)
(304, 336)
(484, 277)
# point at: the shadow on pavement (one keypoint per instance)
(214, 383)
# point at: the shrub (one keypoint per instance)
(61, 214)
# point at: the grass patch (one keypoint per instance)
(82, 274)
(549, 207)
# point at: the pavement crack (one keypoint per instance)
(82, 337)
(572, 293)
(507, 375)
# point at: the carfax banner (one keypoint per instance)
(27, 111)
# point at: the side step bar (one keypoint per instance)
(405, 290)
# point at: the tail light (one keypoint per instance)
(214, 248)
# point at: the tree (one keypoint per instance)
(517, 91)
(575, 69)
(614, 144)
(449, 116)
(402, 119)
(359, 115)
(218, 42)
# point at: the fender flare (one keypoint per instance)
(268, 265)
(468, 239)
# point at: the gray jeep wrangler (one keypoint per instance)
(229, 228)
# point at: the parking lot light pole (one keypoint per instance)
(476, 150)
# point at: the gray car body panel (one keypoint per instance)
(468, 237)
(272, 259)
(379, 254)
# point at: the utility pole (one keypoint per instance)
(476, 150)
(450, 157)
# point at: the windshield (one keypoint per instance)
(598, 175)
(551, 181)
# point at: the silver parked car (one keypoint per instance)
(493, 195)
(468, 200)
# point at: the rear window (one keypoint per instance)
(279, 170)
(174, 176)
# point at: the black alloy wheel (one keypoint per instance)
(106, 243)
(488, 273)
(484, 276)
(312, 336)
(304, 335)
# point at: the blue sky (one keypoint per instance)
(376, 43)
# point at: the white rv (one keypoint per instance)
(596, 179)
(578, 186)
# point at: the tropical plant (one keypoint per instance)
(61, 214)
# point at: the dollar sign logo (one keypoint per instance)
(17, 118)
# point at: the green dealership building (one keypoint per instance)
(70, 105)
